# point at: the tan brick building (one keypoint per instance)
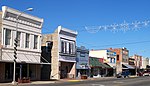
(63, 52)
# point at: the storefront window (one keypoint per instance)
(8, 71)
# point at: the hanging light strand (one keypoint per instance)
(125, 26)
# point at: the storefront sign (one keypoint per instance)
(67, 59)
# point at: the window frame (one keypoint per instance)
(27, 41)
(35, 42)
(7, 37)
(18, 38)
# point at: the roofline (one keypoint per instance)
(17, 12)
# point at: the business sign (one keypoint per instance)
(82, 62)
(67, 59)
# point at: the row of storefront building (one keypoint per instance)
(55, 56)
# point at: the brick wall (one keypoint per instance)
(55, 73)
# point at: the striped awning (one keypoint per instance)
(126, 66)
(21, 58)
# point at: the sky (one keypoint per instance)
(85, 16)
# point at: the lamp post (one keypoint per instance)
(15, 45)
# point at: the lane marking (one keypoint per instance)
(97, 85)
(117, 82)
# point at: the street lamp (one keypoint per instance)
(15, 45)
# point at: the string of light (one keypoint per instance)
(125, 26)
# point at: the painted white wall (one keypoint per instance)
(98, 53)
(23, 27)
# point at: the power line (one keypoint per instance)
(127, 43)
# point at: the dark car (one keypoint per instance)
(124, 74)
(119, 75)
(140, 74)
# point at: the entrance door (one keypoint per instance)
(23, 71)
(65, 69)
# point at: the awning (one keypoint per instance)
(126, 66)
(94, 62)
(111, 64)
(22, 58)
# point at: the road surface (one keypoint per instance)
(138, 81)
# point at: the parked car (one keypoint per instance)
(124, 74)
(140, 74)
(119, 75)
(146, 73)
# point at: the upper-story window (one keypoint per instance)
(62, 46)
(67, 47)
(35, 41)
(18, 37)
(117, 57)
(114, 60)
(27, 40)
(48, 46)
(7, 37)
(110, 60)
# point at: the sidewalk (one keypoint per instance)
(59, 81)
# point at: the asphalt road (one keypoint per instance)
(139, 81)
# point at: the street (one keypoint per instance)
(139, 81)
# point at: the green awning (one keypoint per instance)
(94, 62)
(106, 66)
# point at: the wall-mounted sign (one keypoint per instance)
(67, 59)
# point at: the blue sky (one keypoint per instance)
(78, 14)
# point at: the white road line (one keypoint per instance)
(97, 85)
(117, 82)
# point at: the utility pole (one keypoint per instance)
(15, 45)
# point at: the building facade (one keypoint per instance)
(138, 61)
(63, 52)
(145, 63)
(108, 56)
(122, 56)
(28, 30)
(82, 64)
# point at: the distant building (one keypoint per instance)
(82, 64)
(137, 62)
(63, 52)
(29, 45)
(132, 63)
(122, 55)
(145, 63)
(108, 56)
(97, 68)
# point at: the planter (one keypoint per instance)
(24, 80)
(83, 76)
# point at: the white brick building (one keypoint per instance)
(29, 44)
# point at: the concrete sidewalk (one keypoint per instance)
(59, 81)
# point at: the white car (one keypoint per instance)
(146, 74)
